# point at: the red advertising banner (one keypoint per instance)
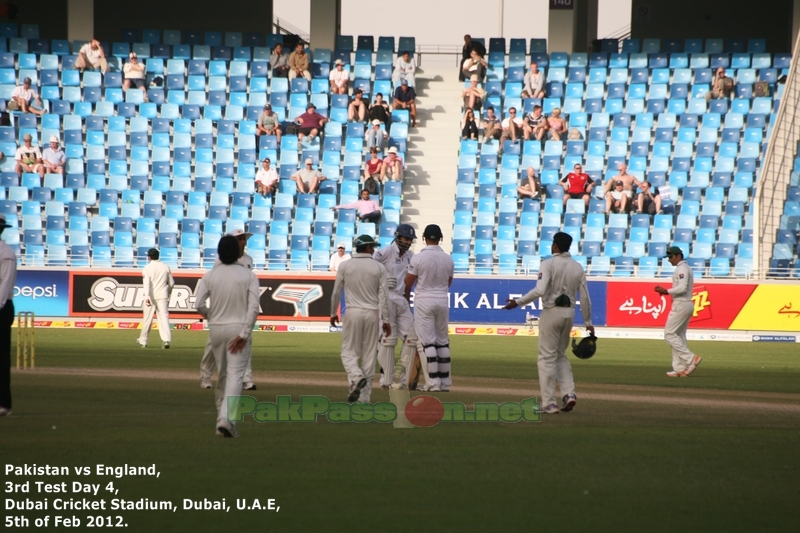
(637, 305)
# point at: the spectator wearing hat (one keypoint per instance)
(29, 158)
(134, 75)
(405, 98)
(473, 95)
(279, 61)
(404, 68)
(375, 136)
(268, 123)
(298, 63)
(367, 209)
(379, 110)
(392, 166)
(8, 276)
(53, 158)
(339, 78)
(308, 179)
(23, 97)
(338, 257)
(618, 200)
(266, 178)
(614, 202)
(309, 124)
(357, 106)
(91, 56)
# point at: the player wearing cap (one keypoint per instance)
(53, 158)
(683, 360)
(208, 364)
(430, 273)
(364, 282)
(8, 277)
(227, 296)
(338, 257)
(158, 283)
(266, 178)
(307, 179)
(560, 277)
(23, 97)
(396, 258)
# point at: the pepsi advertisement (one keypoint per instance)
(43, 292)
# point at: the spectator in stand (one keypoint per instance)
(628, 181)
(466, 51)
(279, 61)
(491, 126)
(134, 74)
(469, 128)
(531, 185)
(298, 63)
(266, 179)
(357, 107)
(404, 68)
(556, 126)
(473, 95)
(392, 166)
(721, 86)
(53, 158)
(308, 179)
(372, 172)
(405, 98)
(309, 123)
(512, 127)
(379, 110)
(366, 210)
(91, 56)
(535, 124)
(23, 97)
(533, 83)
(375, 136)
(338, 257)
(649, 200)
(268, 123)
(474, 64)
(339, 78)
(29, 158)
(577, 184)
(618, 199)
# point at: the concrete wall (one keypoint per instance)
(715, 18)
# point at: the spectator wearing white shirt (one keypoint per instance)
(511, 126)
(338, 257)
(339, 78)
(392, 166)
(533, 83)
(404, 68)
(134, 74)
(23, 97)
(91, 56)
(29, 158)
(266, 179)
(367, 210)
(53, 158)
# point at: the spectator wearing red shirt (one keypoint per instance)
(577, 184)
(310, 123)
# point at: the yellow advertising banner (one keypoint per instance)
(771, 308)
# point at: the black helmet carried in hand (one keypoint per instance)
(586, 348)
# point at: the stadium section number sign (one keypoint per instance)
(562, 4)
(115, 294)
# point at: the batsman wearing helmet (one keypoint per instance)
(395, 258)
(560, 277)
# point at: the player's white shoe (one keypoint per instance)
(551, 409)
(569, 402)
(398, 386)
(5, 411)
(226, 429)
(355, 390)
(695, 362)
(140, 345)
(205, 384)
(249, 386)
(674, 374)
(166, 346)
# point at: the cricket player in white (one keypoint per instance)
(431, 270)
(158, 283)
(395, 258)
(227, 296)
(364, 282)
(208, 364)
(683, 360)
(560, 277)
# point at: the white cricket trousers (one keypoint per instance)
(402, 322)
(675, 333)
(360, 346)
(555, 325)
(161, 307)
(431, 316)
(208, 365)
(231, 366)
